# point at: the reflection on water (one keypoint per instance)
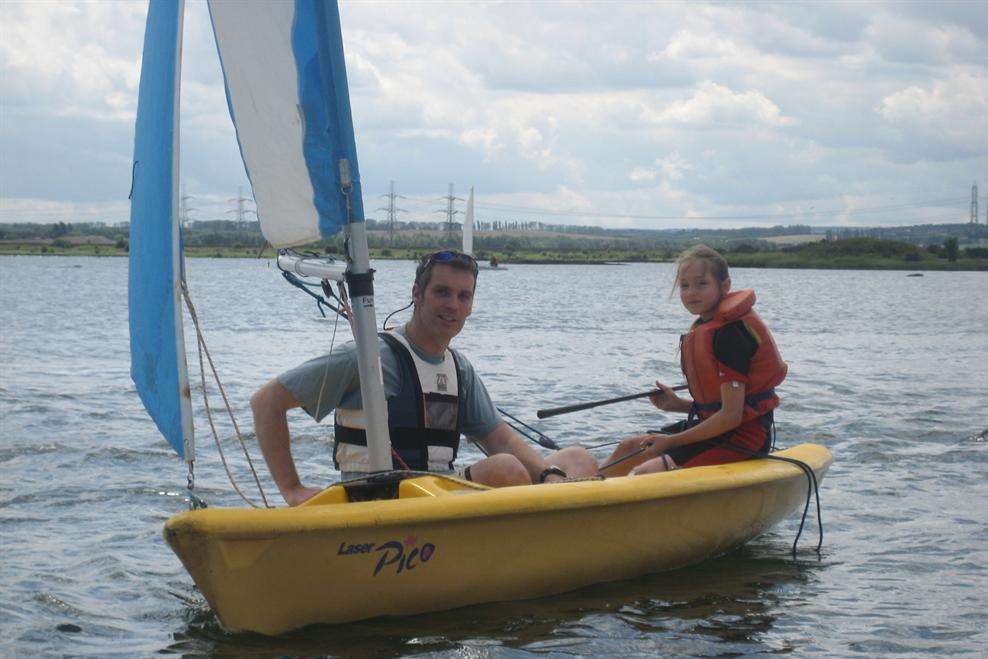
(886, 371)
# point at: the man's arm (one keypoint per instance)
(504, 440)
(270, 405)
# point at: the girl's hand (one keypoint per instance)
(654, 445)
(667, 400)
(643, 444)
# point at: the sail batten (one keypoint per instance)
(288, 98)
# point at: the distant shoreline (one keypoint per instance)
(780, 260)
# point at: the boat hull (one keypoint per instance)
(442, 547)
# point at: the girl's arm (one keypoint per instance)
(668, 401)
(727, 418)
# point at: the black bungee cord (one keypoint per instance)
(321, 301)
(812, 489)
(384, 325)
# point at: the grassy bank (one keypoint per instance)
(866, 254)
(575, 257)
(855, 254)
(850, 262)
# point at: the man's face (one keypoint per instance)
(446, 302)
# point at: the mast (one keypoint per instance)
(360, 284)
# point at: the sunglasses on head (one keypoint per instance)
(449, 256)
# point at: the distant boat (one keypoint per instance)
(493, 265)
(397, 542)
(915, 274)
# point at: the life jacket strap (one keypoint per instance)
(750, 401)
(411, 444)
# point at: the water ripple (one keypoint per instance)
(86, 482)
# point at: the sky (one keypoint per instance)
(618, 114)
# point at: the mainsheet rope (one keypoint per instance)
(203, 349)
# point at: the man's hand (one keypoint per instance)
(300, 494)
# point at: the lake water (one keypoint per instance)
(887, 371)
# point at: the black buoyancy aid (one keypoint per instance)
(423, 418)
(700, 365)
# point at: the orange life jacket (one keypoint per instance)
(700, 365)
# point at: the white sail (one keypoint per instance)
(287, 91)
(468, 226)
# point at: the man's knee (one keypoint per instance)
(502, 470)
(629, 444)
(576, 461)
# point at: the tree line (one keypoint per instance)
(507, 237)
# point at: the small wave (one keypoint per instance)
(55, 604)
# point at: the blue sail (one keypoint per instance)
(157, 347)
(286, 87)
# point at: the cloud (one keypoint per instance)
(652, 109)
(944, 120)
(68, 53)
(671, 168)
(48, 211)
(715, 106)
(902, 39)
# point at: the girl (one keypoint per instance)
(732, 367)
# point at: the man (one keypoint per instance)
(433, 396)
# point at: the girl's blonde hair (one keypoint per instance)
(711, 259)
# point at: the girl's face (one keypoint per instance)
(699, 289)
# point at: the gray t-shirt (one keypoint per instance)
(324, 383)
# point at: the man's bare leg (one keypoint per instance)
(628, 446)
(501, 470)
(576, 461)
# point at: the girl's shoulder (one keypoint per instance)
(735, 345)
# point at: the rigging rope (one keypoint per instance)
(203, 349)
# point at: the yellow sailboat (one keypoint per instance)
(445, 543)
(434, 542)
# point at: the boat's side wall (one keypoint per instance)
(276, 580)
